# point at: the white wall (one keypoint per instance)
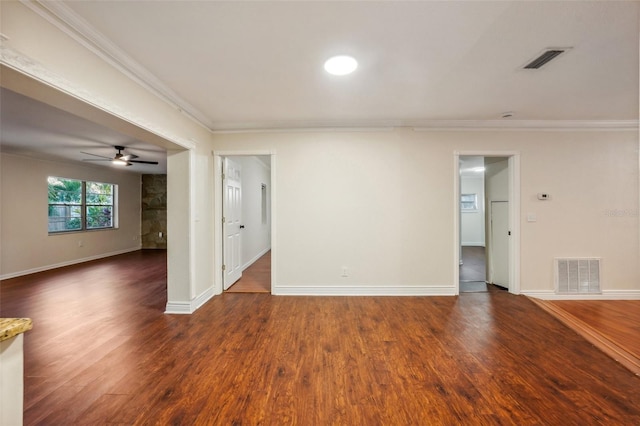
(472, 222)
(380, 204)
(26, 244)
(256, 236)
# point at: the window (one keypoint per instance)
(99, 203)
(76, 205)
(468, 202)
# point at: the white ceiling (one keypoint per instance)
(243, 65)
(31, 128)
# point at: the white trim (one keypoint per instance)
(178, 308)
(218, 279)
(192, 306)
(255, 153)
(425, 126)
(273, 217)
(192, 219)
(389, 290)
(473, 244)
(605, 295)
(27, 66)
(531, 125)
(202, 298)
(76, 27)
(457, 239)
(514, 221)
(67, 263)
(302, 127)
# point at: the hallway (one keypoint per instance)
(256, 278)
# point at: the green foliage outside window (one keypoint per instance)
(99, 202)
(70, 198)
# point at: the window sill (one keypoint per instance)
(81, 231)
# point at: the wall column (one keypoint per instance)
(179, 233)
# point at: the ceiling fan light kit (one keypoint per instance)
(120, 159)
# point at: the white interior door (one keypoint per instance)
(232, 222)
(500, 243)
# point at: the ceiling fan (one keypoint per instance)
(120, 159)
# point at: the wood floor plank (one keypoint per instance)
(619, 341)
(256, 278)
(480, 358)
(617, 320)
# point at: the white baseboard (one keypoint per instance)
(255, 258)
(335, 290)
(192, 306)
(605, 295)
(67, 263)
(178, 308)
(202, 298)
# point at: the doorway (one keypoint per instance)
(487, 190)
(473, 277)
(243, 222)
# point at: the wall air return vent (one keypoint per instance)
(544, 58)
(577, 276)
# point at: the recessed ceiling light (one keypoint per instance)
(340, 65)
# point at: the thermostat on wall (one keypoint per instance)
(543, 196)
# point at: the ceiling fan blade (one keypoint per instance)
(91, 159)
(143, 162)
(95, 155)
(128, 157)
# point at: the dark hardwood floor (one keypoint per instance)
(619, 320)
(256, 278)
(103, 352)
(611, 325)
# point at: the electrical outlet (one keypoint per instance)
(80, 243)
(345, 272)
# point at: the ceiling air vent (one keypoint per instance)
(544, 58)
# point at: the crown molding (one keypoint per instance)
(22, 64)
(532, 125)
(81, 31)
(426, 126)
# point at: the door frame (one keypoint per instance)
(514, 214)
(218, 259)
